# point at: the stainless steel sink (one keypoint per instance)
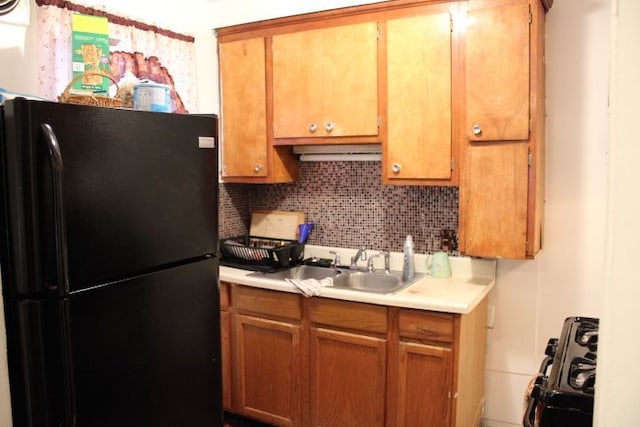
(301, 272)
(381, 283)
(377, 282)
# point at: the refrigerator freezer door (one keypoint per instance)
(146, 351)
(139, 191)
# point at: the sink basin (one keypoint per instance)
(377, 282)
(381, 283)
(302, 272)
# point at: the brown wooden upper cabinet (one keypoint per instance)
(325, 82)
(453, 91)
(502, 130)
(419, 90)
(497, 72)
(247, 152)
(244, 108)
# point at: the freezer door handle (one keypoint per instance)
(62, 273)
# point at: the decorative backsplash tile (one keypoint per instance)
(350, 207)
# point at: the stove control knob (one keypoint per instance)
(552, 345)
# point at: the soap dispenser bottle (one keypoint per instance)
(408, 265)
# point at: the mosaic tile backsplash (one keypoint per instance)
(350, 208)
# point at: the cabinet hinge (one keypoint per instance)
(530, 159)
(379, 122)
(453, 164)
(530, 16)
(450, 22)
(378, 33)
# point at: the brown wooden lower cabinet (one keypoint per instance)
(268, 367)
(424, 383)
(299, 361)
(348, 353)
(226, 345)
(347, 379)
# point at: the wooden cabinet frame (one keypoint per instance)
(502, 183)
(376, 12)
(507, 226)
(320, 338)
(246, 114)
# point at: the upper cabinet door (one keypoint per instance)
(419, 97)
(497, 73)
(496, 201)
(244, 103)
(297, 87)
(325, 82)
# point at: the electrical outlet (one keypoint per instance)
(491, 314)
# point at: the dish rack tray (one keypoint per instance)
(261, 252)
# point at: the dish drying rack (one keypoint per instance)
(260, 253)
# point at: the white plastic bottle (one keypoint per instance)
(408, 265)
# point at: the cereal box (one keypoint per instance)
(90, 53)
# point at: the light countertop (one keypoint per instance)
(471, 281)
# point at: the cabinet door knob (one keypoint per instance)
(476, 129)
(257, 168)
(396, 168)
(313, 127)
(328, 127)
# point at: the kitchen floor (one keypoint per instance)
(233, 420)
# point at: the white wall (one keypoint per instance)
(616, 397)
(532, 298)
(18, 69)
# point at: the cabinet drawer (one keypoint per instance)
(266, 302)
(420, 325)
(348, 315)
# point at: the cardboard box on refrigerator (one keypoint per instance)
(90, 53)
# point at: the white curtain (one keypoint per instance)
(54, 42)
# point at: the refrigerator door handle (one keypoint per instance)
(55, 157)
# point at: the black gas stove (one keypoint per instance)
(563, 391)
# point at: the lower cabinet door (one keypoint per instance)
(269, 363)
(348, 379)
(425, 384)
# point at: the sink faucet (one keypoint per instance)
(385, 254)
(360, 255)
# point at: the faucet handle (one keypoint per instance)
(385, 254)
(336, 258)
(370, 266)
(360, 255)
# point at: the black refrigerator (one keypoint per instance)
(110, 266)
